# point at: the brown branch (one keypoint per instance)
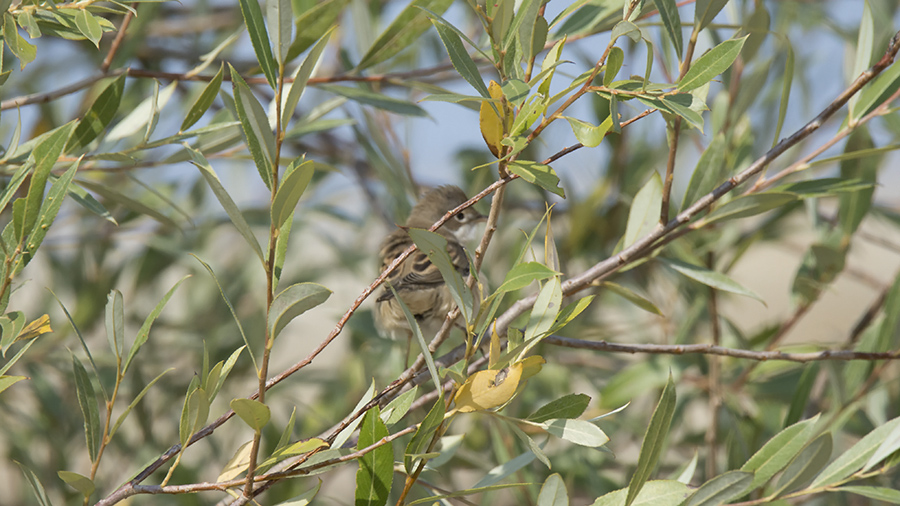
(117, 42)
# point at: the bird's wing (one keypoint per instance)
(417, 271)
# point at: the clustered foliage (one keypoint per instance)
(607, 320)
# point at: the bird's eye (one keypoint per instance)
(460, 216)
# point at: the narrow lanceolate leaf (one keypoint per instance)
(405, 30)
(888, 495)
(460, 58)
(538, 174)
(553, 492)
(705, 11)
(49, 210)
(193, 415)
(668, 13)
(297, 178)
(523, 275)
(654, 439)
(632, 297)
(144, 332)
(255, 125)
(806, 464)
(580, 432)
(643, 216)
(314, 23)
(98, 116)
(281, 19)
(750, 205)
(43, 157)
(376, 468)
(301, 77)
(294, 301)
(378, 100)
(721, 489)
(36, 487)
(252, 412)
(88, 25)
(87, 401)
(856, 457)
(890, 445)
(237, 218)
(569, 406)
(135, 402)
(238, 463)
(879, 90)
(77, 481)
(253, 18)
(709, 173)
(544, 312)
(711, 64)
(201, 105)
(8, 381)
(655, 493)
(714, 279)
(419, 442)
(115, 323)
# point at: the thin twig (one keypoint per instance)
(117, 42)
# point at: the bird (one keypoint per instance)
(417, 281)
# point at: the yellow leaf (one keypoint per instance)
(492, 388)
(494, 353)
(493, 127)
(35, 328)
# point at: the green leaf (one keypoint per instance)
(853, 207)
(632, 297)
(887, 447)
(301, 77)
(553, 492)
(654, 439)
(711, 64)
(654, 493)
(376, 468)
(44, 157)
(17, 44)
(297, 178)
(613, 64)
(115, 322)
(787, 80)
(705, 11)
(144, 332)
(144, 116)
(865, 42)
(643, 217)
(543, 314)
(294, 301)
(571, 311)
(314, 23)
(891, 321)
(523, 275)
(255, 125)
(876, 92)
(714, 279)
(538, 174)
(253, 18)
(421, 439)
(237, 218)
(721, 489)
(889, 495)
(568, 406)
(377, 100)
(824, 187)
(397, 408)
(193, 415)
(8, 381)
(204, 100)
(39, 493)
(405, 30)
(460, 58)
(500, 472)
(252, 412)
(87, 401)
(77, 481)
(88, 26)
(280, 16)
(589, 135)
(802, 393)
(135, 402)
(579, 432)
(806, 464)
(98, 116)
(435, 246)
(855, 458)
(27, 22)
(668, 13)
(750, 205)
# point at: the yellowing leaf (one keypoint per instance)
(493, 127)
(494, 352)
(491, 388)
(35, 328)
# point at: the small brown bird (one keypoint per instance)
(417, 281)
